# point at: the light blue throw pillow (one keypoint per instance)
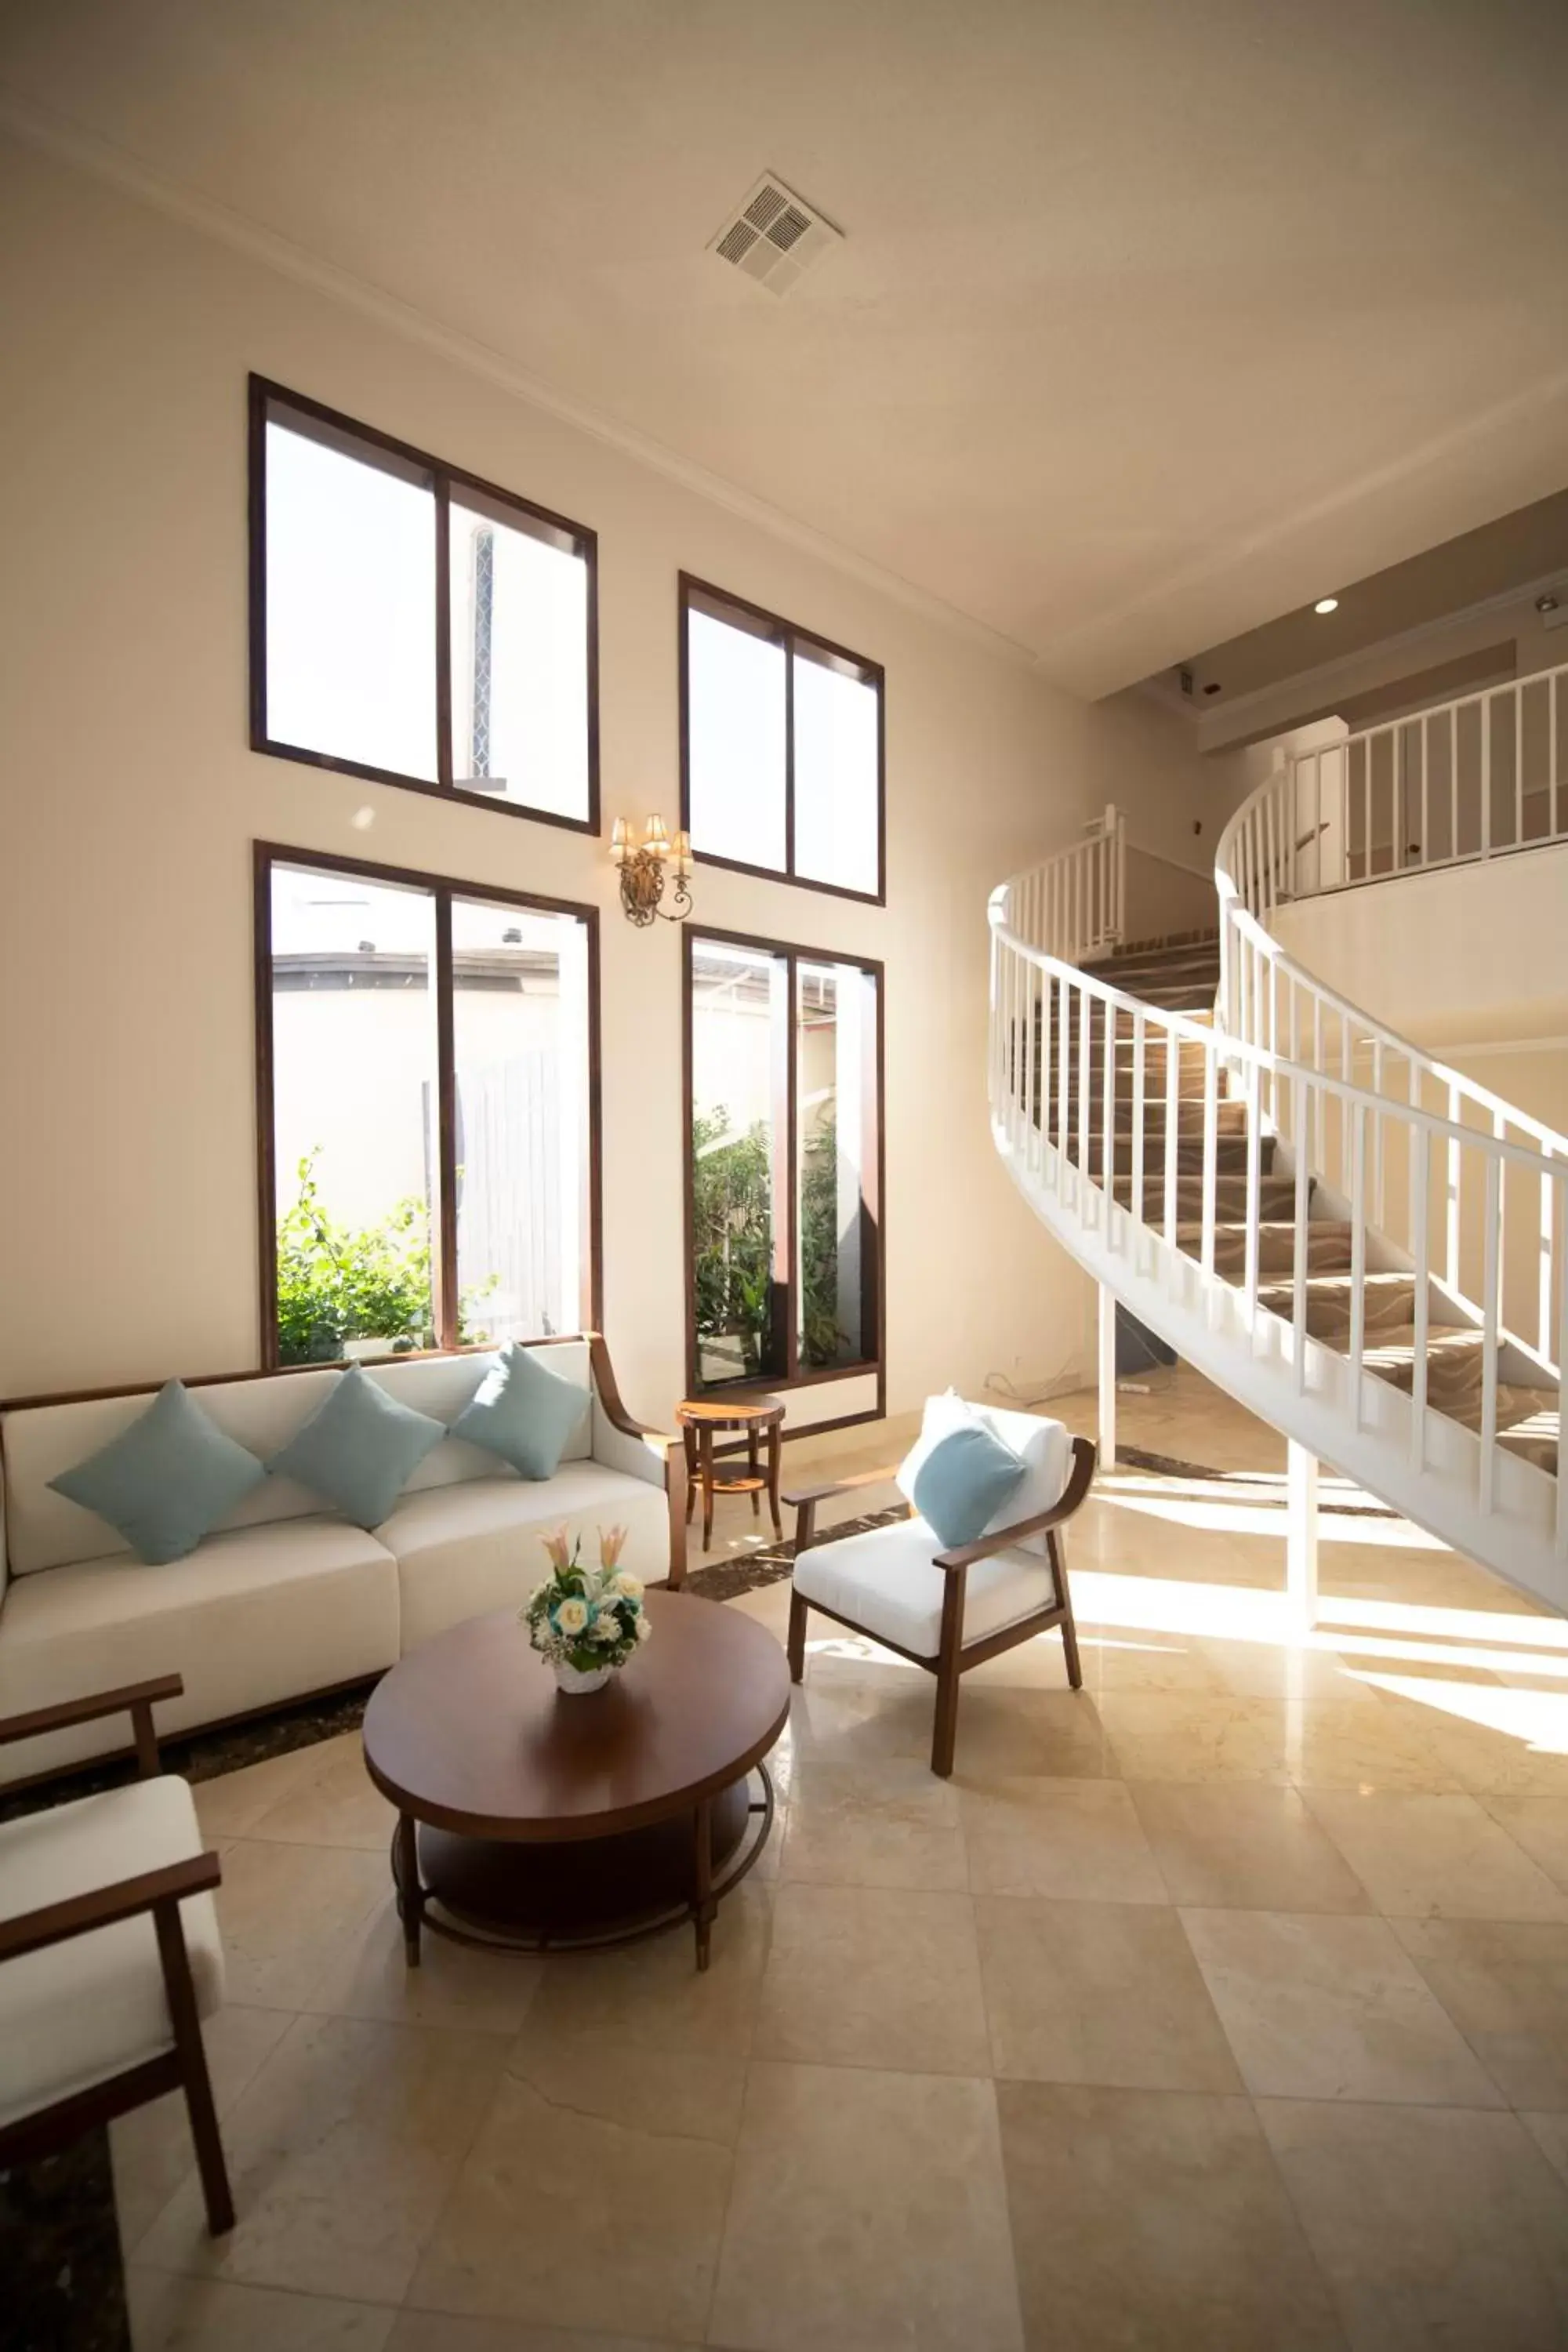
(163, 1483)
(524, 1411)
(359, 1450)
(963, 1484)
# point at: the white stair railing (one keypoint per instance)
(1476, 778)
(1088, 1110)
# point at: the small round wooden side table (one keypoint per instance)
(698, 1418)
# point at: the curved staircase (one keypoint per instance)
(1302, 1202)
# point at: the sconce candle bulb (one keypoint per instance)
(645, 866)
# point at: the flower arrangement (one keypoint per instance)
(587, 1622)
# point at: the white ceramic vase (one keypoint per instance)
(576, 1681)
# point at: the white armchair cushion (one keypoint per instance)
(1044, 1447)
(79, 2012)
(886, 1582)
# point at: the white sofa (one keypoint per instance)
(284, 1598)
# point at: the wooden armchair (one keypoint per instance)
(893, 1584)
(109, 1953)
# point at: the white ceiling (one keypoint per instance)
(1152, 320)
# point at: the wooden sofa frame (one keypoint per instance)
(954, 1658)
(160, 1892)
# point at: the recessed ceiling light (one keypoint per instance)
(1327, 604)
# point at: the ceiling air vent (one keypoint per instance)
(774, 237)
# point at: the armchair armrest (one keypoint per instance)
(796, 1495)
(135, 1699)
(609, 1397)
(1004, 1538)
(105, 1906)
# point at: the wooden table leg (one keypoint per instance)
(753, 1470)
(688, 1436)
(406, 1878)
(705, 1439)
(775, 1447)
(704, 1910)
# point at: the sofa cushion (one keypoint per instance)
(1044, 1447)
(166, 1481)
(251, 1617)
(45, 1530)
(885, 1581)
(359, 1449)
(463, 1549)
(80, 2011)
(523, 1412)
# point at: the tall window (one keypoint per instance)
(413, 624)
(426, 1111)
(782, 747)
(783, 1179)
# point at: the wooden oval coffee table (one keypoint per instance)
(529, 1821)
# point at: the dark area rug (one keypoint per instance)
(61, 2285)
(1166, 1465)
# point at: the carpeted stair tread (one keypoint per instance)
(1328, 1246)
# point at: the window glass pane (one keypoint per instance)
(520, 664)
(735, 735)
(836, 1125)
(739, 1181)
(520, 1035)
(836, 796)
(355, 1112)
(351, 607)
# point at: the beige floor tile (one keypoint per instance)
(1505, 1985)
(869, 2211)
(231, 1804)
(286, 1910)
(876, 1823)
(1319, 2007)
(172, 2314)
(1433, 2226)
(1081, 1840)
(858, 1715)
(873, 1976)
(1119, 1658)
(1435, 1857)
(333, 1805)
(652, 1993)
(1098, 1992)
(594, 2195)
(1501, 1760)
(151, 2147)
(339, 2151)
(1154, 2219)
(1540, 1824)
(443, 2331)
(1550, 2133)
(1358, 1746)
(1245, 1846)
(1195, 1736)
(1286, 1670)
(367, 1976)
(1004, 1732)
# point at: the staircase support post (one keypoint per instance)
(1107, 1377)
(1301, 1536)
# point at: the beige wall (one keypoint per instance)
(128, 1221)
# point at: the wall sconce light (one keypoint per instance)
(644, 867)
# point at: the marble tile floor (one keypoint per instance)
(1224, 2003)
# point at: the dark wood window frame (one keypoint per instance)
(790, 635)
(444, 888)
(794, 955)
(366, 442)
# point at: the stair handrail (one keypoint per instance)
(1460, 786)
(1046, 1011)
